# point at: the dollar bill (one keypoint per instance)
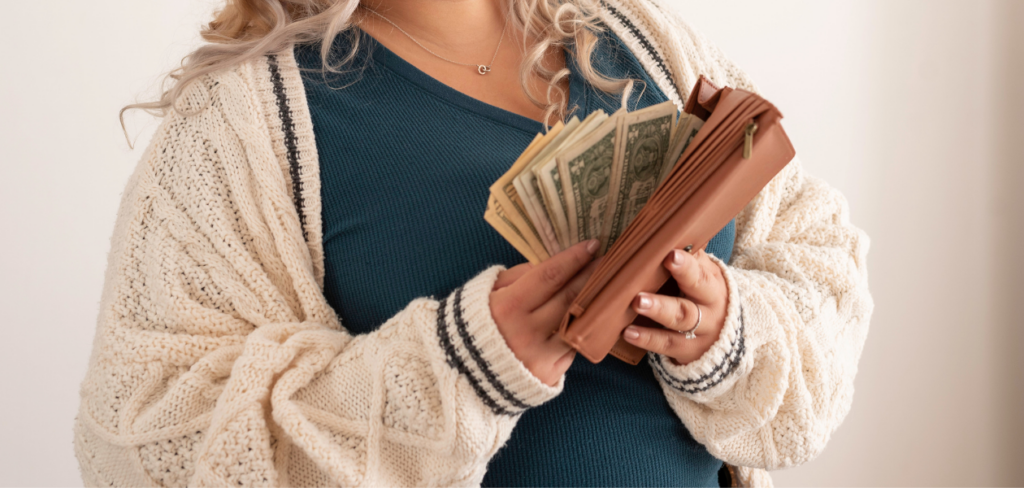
(505, 193)
(496, 216)
(586, 170)
(640, 156)
(526, 186)
(686, 130)
(546, 169)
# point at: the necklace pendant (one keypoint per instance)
(483, 70)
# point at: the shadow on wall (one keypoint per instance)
(1008, 205)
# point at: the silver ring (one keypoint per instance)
(688, 334)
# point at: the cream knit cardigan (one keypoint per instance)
(218, 362)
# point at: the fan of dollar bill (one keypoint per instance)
(587, 179)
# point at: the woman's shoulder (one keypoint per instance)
(259, 104)
(684, 50)
(250, 90)
(252, 121)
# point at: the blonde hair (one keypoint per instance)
(246, 29)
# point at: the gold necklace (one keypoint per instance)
(483, 69)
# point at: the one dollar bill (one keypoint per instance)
(644, 141)
(586, 170)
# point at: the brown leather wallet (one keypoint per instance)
(740, 148)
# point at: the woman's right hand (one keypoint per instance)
(529, 301)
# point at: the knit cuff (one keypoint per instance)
(713, 373)
(477, 350)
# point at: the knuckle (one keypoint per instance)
(552, 274)
(657, 342)
(679, 315)
(713, 270)
(669, 342)
(703, 277)
(692, 278)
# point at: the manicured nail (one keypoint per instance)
(677, 257)
(645, 302)
(592, 245)
(631, 333)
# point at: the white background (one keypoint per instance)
(910, 107)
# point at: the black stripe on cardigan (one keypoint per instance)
(455, 361)
(291, 145)
(737, 348)
(653, 53)
(477, 356)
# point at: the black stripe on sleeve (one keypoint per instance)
(714, 377)
(456, 362)
(476, 355)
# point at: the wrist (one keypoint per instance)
(476, 349)
(714, 370)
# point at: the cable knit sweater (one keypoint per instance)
(217, 361)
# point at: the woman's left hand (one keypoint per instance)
(702, 284)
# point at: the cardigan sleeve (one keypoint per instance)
(217, 361)
(779, 380)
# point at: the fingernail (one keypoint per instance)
(645, 302)
(631, 333)
(677, 257)
(592, 245)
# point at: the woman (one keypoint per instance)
(322, 167)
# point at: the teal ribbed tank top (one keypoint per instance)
(406, 163)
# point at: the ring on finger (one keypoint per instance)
(689, 334)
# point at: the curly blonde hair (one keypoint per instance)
(246, 29)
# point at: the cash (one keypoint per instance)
(587, 179)
(640, 160)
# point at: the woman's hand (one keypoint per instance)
(702, 283)
(528, 303)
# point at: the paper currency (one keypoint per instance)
(639, 159)
(495, 215)
(587, 179)
(586, 169)
(505, 193)
(526, 185)
(686, 130)
(549, 181)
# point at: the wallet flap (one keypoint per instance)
(703, 98)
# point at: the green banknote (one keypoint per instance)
(586, 169)
(639, 159)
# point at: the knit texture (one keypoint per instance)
(217, 360)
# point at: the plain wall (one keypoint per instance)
(911, 108)
(1008, 265)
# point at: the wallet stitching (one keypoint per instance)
(455, 361)
(730, 362)
(477, 356)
